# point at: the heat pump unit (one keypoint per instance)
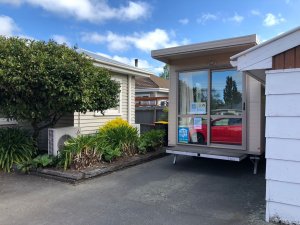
(58, 136)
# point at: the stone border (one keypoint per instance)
(74, 177)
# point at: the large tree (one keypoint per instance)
(42, 81)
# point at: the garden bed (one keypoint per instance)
(75, 176)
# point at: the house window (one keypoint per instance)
(117, 111)
(7, 121)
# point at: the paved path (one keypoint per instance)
(195, 191)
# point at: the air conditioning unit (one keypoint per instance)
(58, 136)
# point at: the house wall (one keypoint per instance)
(90, 123)
(287, 59)
(282, 145)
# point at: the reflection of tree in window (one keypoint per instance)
(199, 94)
(231, 95)
(216, 101)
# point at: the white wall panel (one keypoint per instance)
(283, 127)
(289, 214)
(283, 82)
(281, 170)
(283, 105)
(284, 149)
(282, 192)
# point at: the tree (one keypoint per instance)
(42, 81)
(166, 73)
(231, 95)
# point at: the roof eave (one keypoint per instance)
(164, 54)
(234, 57)
(119, 68)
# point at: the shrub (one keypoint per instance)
(15, 147)
(109, 153)
(118, 121)
(151, 140)
(80, 152)
(41, 161)
(122, 137)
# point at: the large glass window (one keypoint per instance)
(210, 118)
(193, 93)
(226, 92)
(226, 107)
(193, 106)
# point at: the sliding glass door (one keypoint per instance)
(211, 108)
(193, 107)
(226, 107)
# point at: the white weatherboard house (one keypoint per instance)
(276, 63)
(90, 122)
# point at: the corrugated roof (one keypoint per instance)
(113, 63)
(151, 82)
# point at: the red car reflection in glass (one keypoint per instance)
(223, 131)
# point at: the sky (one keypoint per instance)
(124, 30)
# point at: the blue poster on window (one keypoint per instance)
(183, 135)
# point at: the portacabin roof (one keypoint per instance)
(212, 47)
(114, 65)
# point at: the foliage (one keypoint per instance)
(122, 137)
(15, 147)
(80, 152)
(164, 115)
(42, 81)
(151, 140)
(41, 161)
(166, 72)
(109, 153)
(118, 121)
(231, 94)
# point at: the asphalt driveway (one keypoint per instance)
(195, 191)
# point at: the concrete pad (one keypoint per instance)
(194, 191)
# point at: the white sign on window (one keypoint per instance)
(198, 108)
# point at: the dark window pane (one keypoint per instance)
(226, 92)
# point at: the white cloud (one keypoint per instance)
(255, 12)
(148, 41)
(206, 17)
(143, 64)
(90, 10)
(272, 20)
(236, 18)
(60, 39)
(7, 26)
(184, 21)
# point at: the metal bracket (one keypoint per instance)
(255, 161)
(174, 159)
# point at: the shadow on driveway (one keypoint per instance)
(194, 191)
